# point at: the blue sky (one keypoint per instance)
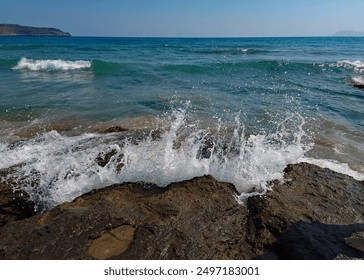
(188, 18)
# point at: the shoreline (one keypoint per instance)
(308, 216)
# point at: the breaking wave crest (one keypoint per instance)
(357, 66)
(358, 80)
(51, 65)
(234, 51)
(54, 168)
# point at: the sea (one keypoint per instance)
(82, 113)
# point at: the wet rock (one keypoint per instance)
(317, 241)
(103, 158)
(114, 129)
(356, 241)
(14, 205)
(314, 214)
(309, 215)
(195, 219)
(359, 85)
(111, 243)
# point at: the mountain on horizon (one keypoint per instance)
(19, 30)
(349, 33)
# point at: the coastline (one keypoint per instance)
(307, 216)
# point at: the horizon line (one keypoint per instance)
(213, 37)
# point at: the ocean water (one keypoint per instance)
(239, 109)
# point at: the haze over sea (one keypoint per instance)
(240, 109)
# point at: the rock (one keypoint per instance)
(195, 219)
(356, 241)
(114, 129)
(103, 158)
(314, 214)
(14, 205)
(316, 241)
(309, 215)
(19, 30)
(111, 243)
(359, 85)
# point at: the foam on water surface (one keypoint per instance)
(358, 80)
(357, 66)
(51, 65)
(53, 168)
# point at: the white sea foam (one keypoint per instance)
(51, 65)
(336, 166)
(54, 168)
(357, 66)
(358, 80)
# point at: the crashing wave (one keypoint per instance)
(357, 66)
(54, 168)
(357, 81)
(51, 65)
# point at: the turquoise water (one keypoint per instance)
(239, 109)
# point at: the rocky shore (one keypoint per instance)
(314, 214)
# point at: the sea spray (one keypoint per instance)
(51, 65)
(357, 66)
(53, 168)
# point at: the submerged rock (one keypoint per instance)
(311, 215)
(359, 85)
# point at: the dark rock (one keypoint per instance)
(104, 157)
(195, 219)
(114, 129)
(19, 30)
(14, 205)
(313, 206)
(356, 241)
(317, 241)
(314, 214)
(359, 85)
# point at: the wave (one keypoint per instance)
(188, 68)
(234, 51)
(226, 67)
(51, 65)
(357, 66)
(272, 65)
(23, 47)
(54, 168)
(7, 63)
(97, 66)
(357, 81)
(103, 67)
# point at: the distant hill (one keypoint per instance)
(19, 30)
(349, 33)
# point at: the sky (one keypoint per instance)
(188, 18)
